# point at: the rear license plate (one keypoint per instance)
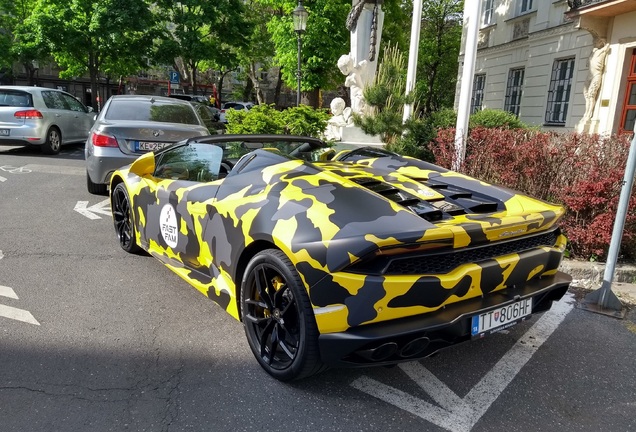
(501, 318)
(4, 132)
(149, 146)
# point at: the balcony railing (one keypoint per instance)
(575, 4)
(600, 8)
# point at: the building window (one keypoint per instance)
(525, 6)
(559, 93)
(488, 13)
(514, 90)
(477, 100)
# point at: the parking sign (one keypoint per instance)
(174, 77)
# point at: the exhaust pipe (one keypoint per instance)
(415, 347)
(380, 353)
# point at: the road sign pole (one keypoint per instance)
(168, 87)
(603, 300)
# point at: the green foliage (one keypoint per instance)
(438, 51)
(264, 119)
(305, 120)
(324, 41)
(261, 119)
(444, 118)
(201, 31)
(20, 40)
(387, 97)
(493, 118)
(414, 141)
(109, 36)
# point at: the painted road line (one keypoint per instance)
(15, 313)
(102, 207)
(454, 413)
(2, 179)
(5, 291)
(56, 169)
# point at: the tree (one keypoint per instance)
(256, 56)
(19, 39)
(201, 31)
(440, 40)
(108, 36)
(325, 39)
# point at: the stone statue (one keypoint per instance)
(365, 24)
(341, 117)
(595, 77)
(356, 79)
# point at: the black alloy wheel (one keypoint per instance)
(278, 318)
(123, 219)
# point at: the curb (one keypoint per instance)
(589, 276)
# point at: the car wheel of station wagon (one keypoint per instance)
(123, 219)
(278, 318)
(53, 142)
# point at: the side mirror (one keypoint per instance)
(90, 109)
(144, 165)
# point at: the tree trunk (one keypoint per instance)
(311, 98)
(247, 91)
(279, 84)
(95, 100)
(256, 83)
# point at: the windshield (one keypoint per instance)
(151, 110)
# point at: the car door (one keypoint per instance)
(80, 119)
(59, 113)
(177, 205)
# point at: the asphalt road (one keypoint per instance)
(94, 339)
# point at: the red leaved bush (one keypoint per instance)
(583, 172)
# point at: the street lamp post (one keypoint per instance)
(299, 16)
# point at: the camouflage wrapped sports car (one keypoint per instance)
(358, 258)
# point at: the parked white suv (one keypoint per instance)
(236, 106)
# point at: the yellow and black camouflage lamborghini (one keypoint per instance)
(340, 259)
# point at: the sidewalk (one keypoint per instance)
(589, 276)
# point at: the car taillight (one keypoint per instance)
(28, 114)
(103, 140)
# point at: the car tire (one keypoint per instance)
(53, 142)
(123, 219)
(95, 188)
(278, 318)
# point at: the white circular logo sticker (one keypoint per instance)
(169, 228)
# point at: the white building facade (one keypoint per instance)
(557, 64)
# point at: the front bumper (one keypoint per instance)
(420, 336)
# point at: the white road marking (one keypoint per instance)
(5, 291)
(102, 207)
(56, 169)
(454, 413)
(15, 313)
(2, 179)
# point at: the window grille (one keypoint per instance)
(477, 100)
(514, 90)
(559, 93)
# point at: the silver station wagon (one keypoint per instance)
(130, 125)
(43, 117)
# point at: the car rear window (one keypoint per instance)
(15, 98)
(147, 110)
